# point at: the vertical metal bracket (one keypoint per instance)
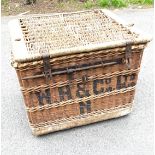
(47, 67)
(128, 53)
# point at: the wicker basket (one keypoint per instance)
(75, 68)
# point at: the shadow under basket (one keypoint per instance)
(75, 68)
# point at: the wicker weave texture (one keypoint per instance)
(76, 68)
(64, 31)
(63, 111)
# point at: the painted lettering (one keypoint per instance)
(85, 107)
(95, 88)
(81, 90)
(44, 95)
(64, 91)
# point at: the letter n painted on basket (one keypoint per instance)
(85, 107)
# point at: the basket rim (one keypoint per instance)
(21, 55)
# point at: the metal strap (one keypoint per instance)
(128, 54)
(47, 67)
(48, 72)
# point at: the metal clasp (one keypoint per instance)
(128, 53)
(47, 67)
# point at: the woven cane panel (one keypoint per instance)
(71, 110)
(66, 31)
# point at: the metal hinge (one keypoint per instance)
(128, 54)
(47, 71)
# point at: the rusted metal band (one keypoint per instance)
(75, 68)
(47, 67)
(128, 54)
(58, 84)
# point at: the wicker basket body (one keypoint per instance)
(87, 81)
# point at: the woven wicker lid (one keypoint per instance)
(66, 33)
